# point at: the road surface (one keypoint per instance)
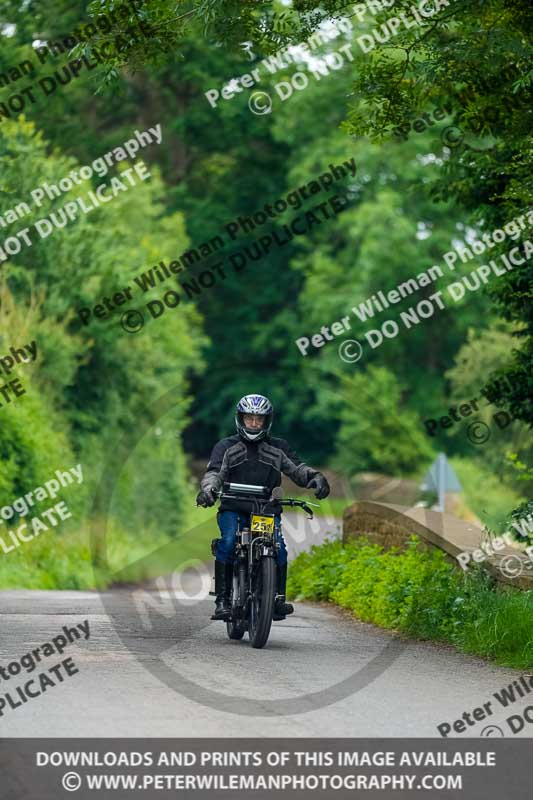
(165, 670)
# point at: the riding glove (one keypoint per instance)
(321, 485)
(205, 498)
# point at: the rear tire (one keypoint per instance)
(235, 628)
(262, 603)
(235, 631)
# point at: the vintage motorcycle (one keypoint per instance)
(253, 588)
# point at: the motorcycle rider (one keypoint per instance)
(254, 457)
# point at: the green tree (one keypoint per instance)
(475, 58)
(97, 382)
(484, 355)
(377, 432)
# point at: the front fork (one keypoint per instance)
(260, 548)
(248, 554)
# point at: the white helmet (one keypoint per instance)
(254, 404)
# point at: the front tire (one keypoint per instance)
(262, 602)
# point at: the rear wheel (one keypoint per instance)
(235, 630)
(235, 626)
(262, 602)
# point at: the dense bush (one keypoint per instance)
(421, 593)
(522, 516)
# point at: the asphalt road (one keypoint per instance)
(154, 665)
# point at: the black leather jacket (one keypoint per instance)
(259, 463)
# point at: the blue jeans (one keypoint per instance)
(228, 522)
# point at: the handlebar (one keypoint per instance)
(289, 501)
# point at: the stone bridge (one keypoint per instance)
(391, 526)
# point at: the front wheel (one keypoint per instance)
(262, 602)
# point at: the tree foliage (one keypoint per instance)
(94, 382)
(411, 200)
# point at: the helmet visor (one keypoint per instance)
(254, 422)
(253, 426)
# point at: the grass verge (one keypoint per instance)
(420, 593)
(62, 558)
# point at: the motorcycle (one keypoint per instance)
(253, 589)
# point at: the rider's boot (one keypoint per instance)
(222, 609)
(281, 608)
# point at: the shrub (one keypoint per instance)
(420, 592)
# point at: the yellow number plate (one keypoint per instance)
(262, 524)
